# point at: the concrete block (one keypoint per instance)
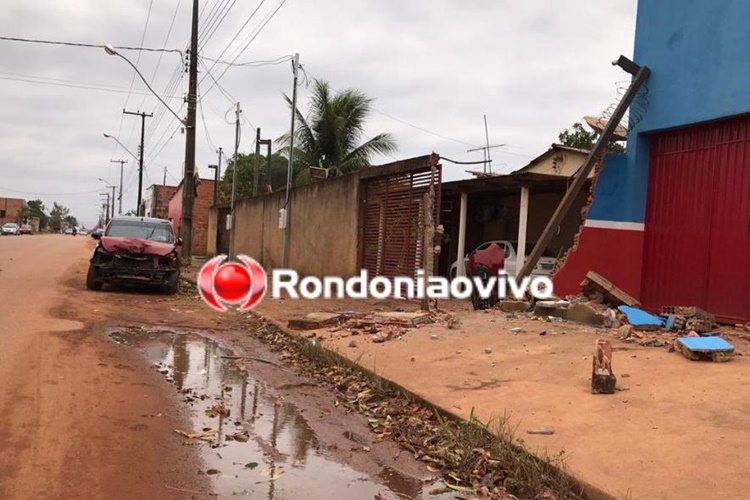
(314, 321)
(403, 318)
(584, 314)
(511, 306)
(603, 381)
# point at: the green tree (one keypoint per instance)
(581, 138)
(246, 175)
(57, 216)
(331, 134)
(35, 209)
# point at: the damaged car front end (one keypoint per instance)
(136, 250)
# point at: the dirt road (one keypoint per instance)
(76, 417)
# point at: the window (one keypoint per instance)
(159, 232)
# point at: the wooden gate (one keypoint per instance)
(394, 222)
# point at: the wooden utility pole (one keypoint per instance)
(188, 194)
(429, 232)
(256, 171)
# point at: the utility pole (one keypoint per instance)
(256, 173)
(119, 198)
(140, 159)
(217, 176)
(267, 143)
(234, 177)
(113, 202)
(188, 182)
(284, 222)
(164, 182)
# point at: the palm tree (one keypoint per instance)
(330, 137)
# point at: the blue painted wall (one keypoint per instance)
(699, 55)
(620, 194)
(698, 52)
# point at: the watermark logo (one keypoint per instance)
(242, 283)
(245, 282)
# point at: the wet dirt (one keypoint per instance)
(253, 439)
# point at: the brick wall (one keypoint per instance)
(10, 209)
(160, 200)
(201, 206)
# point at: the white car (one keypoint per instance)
(543, 267)
(11, 228)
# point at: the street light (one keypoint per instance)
(121, 144)
(111, 51)
(188, 123)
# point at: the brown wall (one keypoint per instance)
(213, 216)
(323, 228)
(201, 206)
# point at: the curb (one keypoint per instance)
(588, 491)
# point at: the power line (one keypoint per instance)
(206, 35)
(49, 194)
(68, 83)
(425, 130)
(251, 39)
(278, 60)
(88, 45)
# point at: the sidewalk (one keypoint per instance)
(680, 429)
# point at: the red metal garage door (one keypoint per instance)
(697, 240)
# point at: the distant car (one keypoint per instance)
(11, 228)
(26, 229)
(69, 230)
(543, 267)
(136, 250)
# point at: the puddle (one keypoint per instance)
(252, 444)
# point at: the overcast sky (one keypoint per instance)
(434, 68)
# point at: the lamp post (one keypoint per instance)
(186, 226)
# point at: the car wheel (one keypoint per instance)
(93, 280)
(173, 284)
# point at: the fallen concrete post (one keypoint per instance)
(603, 381)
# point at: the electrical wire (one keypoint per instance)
(237, 34)
(208, 35)
(69, 83)
(88, 45)
(221, 89)
(279, 60)
(251, 39)
(49, 194)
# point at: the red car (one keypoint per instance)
(25, 229)
(136, 250)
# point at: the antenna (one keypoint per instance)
(486, 149)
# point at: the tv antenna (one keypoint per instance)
(487, 159)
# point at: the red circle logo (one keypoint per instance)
(241, 282)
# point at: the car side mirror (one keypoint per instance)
(178, 242)
(96, 236)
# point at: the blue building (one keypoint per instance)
(670, 221)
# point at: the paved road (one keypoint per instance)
(72, 406)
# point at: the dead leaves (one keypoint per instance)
(218, 410)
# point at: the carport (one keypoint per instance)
(513, 207)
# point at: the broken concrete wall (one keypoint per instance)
(611, 239)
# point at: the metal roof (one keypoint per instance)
(507, 183)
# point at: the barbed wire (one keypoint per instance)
(635, 112)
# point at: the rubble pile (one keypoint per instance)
(381, 326)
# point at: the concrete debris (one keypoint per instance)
(604, 290)
(488, 350)
(714, 349)
(512, 306)
(384, 326)
(545, 431)
(516, 330)
(315, 321)
(603, 381)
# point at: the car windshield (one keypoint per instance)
(11, 225)
(153, 231)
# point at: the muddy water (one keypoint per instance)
(253, 444)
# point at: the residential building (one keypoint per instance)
(203, 201)
(10, 209)
(157, 200)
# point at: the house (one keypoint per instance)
(493, 207)
(670, 219)
(201, 205)
(157, 200)
(10, 209)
